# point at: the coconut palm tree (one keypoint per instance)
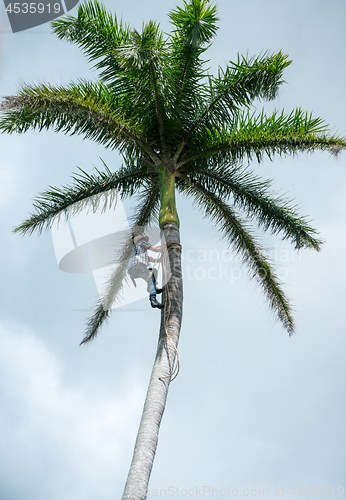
(178, 128)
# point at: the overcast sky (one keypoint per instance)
(251, 408)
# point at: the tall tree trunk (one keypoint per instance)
(171, 316)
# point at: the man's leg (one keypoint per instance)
(148, 276)
(154, 280)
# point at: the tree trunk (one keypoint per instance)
(168, 209)
(137, 482)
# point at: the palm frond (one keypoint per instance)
(195, 23)
(98, 33)
(237, 86)
(253, 195)
(131, 62)
(194, 26)
(91, 190)
(86, 109)
(145, 212)
(252, 136)
(142, 59)
(243, 243)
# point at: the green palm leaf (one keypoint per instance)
(101, 188)
(85, 108)
(238, 86)
(236, 233)
(251, 136)
(98, 33)
(252, 194)
(194, 27)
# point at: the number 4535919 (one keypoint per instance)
(33, 8)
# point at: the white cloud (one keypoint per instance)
(58, 440)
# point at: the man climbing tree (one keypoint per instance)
(138, 266)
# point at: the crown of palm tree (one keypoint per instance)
(177, 127)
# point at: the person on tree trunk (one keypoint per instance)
(138, 267)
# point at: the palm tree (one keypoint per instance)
(177, 128)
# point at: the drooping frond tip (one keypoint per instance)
(239, 237)
(112, 293)
(93, 324)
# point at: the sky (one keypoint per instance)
(253, 411)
